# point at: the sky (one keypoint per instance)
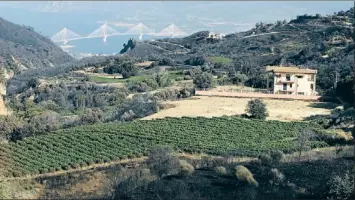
(49, 17)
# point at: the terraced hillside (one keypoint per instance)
(86, 145)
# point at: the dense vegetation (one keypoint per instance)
(85, 145)
(127, 69)
(321, 42)
(130, 45)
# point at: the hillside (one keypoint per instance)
(325, 43)
(321, 42)
(79, 128)
(22, 48)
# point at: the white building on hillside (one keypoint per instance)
(291, 80)
(218, 36)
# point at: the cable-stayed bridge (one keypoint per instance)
(104, 31)
(140, 29)
(65, 35)
(172, 31)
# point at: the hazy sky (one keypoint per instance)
(49, 16)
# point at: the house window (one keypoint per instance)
(291, 85)
(284, 86)
(312, 78)
(300, 93)
(312, 86)
(288, 77)
(299, 77)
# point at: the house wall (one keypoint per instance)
(304, 85)
(299, 85)
(280, 86)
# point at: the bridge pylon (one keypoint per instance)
(139, 29)
(65, 35)
(172, 30)
(103, 31)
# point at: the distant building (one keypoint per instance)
(217, 36)
(291, 80)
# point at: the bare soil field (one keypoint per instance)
(144, 64)
(102, 75)
(284, 110)
(3, 110)
(118, 85)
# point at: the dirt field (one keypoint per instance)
(102, 75)
(218, 106)
(3, 110)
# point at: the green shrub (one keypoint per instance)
(17, 173)
(127, 69)
(162, 163)
(187, 77)
(220, 170)
(277, 156)
(243, 174)
(277, 176)
(92, 116)
(179, 78)
(186, 168)
(265, 159)
(342, 187)
(256, 108)
(204, 81)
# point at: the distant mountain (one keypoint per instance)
(21, 48)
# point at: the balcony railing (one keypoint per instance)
(288, 90)
(284, 80)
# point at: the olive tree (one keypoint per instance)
(256, 108)
(302, 141)
(161, 161)
(204, 80)
(342, 186)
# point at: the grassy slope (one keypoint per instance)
(171, 74)
(81, 146)
(222, 60)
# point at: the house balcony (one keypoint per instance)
(287, 91)
(281, 81)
